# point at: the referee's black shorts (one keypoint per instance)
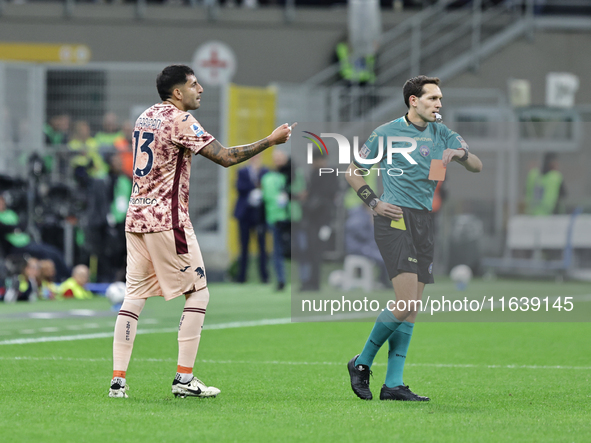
(407, 247)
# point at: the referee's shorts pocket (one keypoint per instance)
(396, 247)
(398, 224)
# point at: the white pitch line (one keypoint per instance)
(302, 363)
(231, 325)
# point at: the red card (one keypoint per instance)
(437, 170)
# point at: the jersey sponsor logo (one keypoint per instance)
(200, 272)
(197, 130)
(462, 142)
(423, 139)
(424, 150)
(143, 201)
(412, 260)
(364, 152)
(136, 189)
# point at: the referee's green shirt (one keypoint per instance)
(411, 188)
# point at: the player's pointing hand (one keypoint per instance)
(281, 134)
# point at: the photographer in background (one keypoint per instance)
(13, 240)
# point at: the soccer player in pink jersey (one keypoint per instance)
(163, 256)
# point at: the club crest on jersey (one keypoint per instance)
(200, 272)
(197, 130)
(424, 150)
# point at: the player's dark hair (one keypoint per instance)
(414, 86)
(170, 77)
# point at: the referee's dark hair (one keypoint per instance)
(170, 77)
(414, 86)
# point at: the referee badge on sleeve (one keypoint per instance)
(463, 143)
(364, 152)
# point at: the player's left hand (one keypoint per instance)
(450, 154)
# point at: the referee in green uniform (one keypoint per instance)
(404, 222)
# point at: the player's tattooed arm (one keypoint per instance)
(217, 153)
(221, 155)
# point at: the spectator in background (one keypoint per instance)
(104, 232)
(48, 289)
(355, 70)
(276, 201)
(97, 230)
(57, 129)
(13, 240)
(120, 191)
(23, 286)
(298, 195)
(123, 146)
(88, 162)
(56, 136)
(359, 239)
(317, 208)
(111, 132)
(112, 139)
(74, 286)
(545, 189)
(250, 213)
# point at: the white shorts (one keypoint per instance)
(165, 264)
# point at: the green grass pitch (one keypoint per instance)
(488, 381)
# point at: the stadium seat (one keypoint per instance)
(541, 235)
(358, 273)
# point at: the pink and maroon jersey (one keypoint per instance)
(164, 138)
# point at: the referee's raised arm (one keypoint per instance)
(465, 158)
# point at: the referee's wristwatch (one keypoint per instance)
(464, 157)
(372, 204)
